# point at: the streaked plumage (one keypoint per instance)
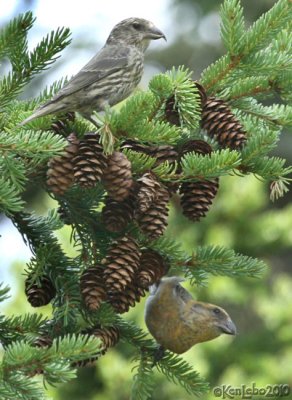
(110, 76)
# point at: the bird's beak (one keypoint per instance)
(155, 34)
(228, 327)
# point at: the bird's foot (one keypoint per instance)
(95, 121)
(158, 355)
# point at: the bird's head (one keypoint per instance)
(213, 319)
(136, 32)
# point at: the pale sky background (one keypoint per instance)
(95, 18)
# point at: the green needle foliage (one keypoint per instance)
(256, 66)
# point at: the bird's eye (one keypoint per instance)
(137, 26)
(216, 311)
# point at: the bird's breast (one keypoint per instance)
(123, 83)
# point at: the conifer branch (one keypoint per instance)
(180, 372)
(217, 164)
(10, 200)
(12, 35)
(232, 27)
(255, 39)
(140, 162)
(143, 383)
(4, 290)
(44, 54)
(218, 260)
(24, 327)
(167, 116)
(52, 361)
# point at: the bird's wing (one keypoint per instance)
(104, 63)
(183, 294)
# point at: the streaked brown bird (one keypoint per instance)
(178, 322)
(110, 76)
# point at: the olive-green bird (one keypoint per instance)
(178, 322)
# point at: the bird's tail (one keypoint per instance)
(46, 109)
(26, 120)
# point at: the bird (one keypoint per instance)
(109, 77)
(177, 321)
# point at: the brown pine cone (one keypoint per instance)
(117, 177)
(60, 124)
(196, 146)
(134, 145)
(60, 172)
(43, 341)
(154, 222)
(64, 214)
(152, 268)
(122, 301)
(88, 362)
(202, 92)
(121, 264)
(116, 215)
(197, 197)
(148, 186)
(219, 122)
(42, 294)
(171, 111)
(90, 162)
(109, 336)
(92, 287)
(163, 153)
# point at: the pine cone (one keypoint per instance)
(171, 111)
(43, 341)
(122, 301)
(64, 214)
(134, 145)
(88, 362)
(153, 223)
(152, 268)
(202, 92)
(121, 263)
(41, 295)
(60, 125)
(116, 215)
(220, 122)
(117, 178)
(197, 197)
(60, 172)
(196, 146)
(148, 186)
(92, 287)
(163, 153)
(109, 336)
(90, 161)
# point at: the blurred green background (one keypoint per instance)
(241, 218)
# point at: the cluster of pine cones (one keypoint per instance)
(127, 271)
(145, 198)
(123, 277)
